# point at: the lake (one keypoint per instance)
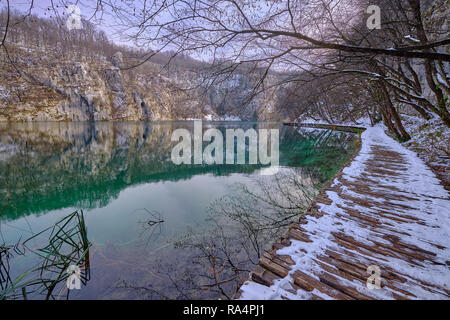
(107, 198)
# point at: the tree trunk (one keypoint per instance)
(388, 123)
(391, 109)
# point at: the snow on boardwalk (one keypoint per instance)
(385, 209)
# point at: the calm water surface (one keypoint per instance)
(156, 230)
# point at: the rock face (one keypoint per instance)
(117, 59)
(100, 89)
(236, 91)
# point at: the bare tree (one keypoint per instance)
(326, 42)
(309, 39)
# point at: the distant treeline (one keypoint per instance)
(90, 41)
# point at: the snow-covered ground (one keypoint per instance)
(415, 186)
(430, 139)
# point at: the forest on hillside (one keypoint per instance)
(52, 73)
(305, 60)
(345, 72)
(324, 60)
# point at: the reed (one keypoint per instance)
(59, 246)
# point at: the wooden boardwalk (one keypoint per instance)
(372, 214)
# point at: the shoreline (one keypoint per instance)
(352, 129)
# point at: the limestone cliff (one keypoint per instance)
(40, 85)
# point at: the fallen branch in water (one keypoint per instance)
(152, 223)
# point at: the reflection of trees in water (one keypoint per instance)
(214, 262)
(325, 150)
(58, 165)
(62, 165)
(86, 165)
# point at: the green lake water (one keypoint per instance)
(156, 230)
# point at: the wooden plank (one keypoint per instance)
(272, 266)
(341, 266)
(309, 283)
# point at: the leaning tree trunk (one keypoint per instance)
(404, 136)
(388, 123)
(441, 99)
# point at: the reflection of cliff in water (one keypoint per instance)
(48, 166)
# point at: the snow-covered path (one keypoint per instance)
(386, 210)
